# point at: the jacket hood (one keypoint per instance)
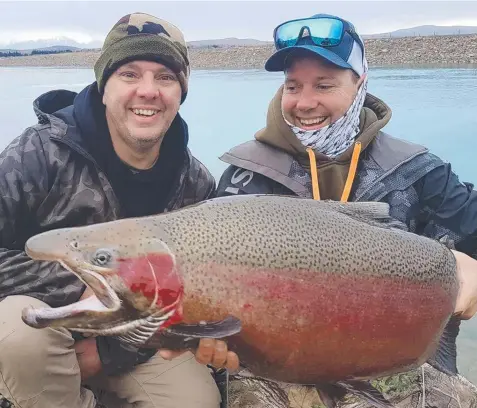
(374, 116)
(51, 102)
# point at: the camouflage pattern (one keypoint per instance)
(49, 181)
(421, 387)
(399, 188)
(142, 36)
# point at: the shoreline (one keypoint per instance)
(439, 51)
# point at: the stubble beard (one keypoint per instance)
(138, 144)
(141, 144)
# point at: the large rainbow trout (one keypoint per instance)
(306, 292)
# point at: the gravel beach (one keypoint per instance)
(437, 50)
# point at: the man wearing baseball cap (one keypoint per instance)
(323, 140)
(117, 149)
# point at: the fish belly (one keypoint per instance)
(310, 326)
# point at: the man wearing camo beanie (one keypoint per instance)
(142, 36)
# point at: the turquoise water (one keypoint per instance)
(435, 107)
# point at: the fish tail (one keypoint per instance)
(445, 357)
(331, 394)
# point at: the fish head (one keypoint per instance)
(131, 272)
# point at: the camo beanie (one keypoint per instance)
(140, 36)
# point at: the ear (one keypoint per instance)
(361, 79)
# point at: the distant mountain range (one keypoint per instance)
(425, 31)
(228, 42)
(54, 48)
(67, 44)
(61, 43)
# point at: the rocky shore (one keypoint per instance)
(438, 50)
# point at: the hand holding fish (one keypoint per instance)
(466, 305)
(88, 358)
(210, 351)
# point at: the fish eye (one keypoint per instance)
(102, 257)
(74, 244)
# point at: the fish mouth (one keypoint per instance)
(103, 313)
(103, 306)
(55, 247)
(113, 308)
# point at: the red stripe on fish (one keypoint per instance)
(300, 319)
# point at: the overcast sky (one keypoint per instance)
(85, 21)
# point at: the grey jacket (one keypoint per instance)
(421, 189)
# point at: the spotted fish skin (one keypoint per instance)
(324, 291)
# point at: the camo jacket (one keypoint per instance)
(49, 180)
(421, 189)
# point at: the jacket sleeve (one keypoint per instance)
(199, 184)
(206, 185)
(23, 187)
(449, 208)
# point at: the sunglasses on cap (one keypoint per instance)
(322, 31)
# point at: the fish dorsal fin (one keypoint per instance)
(373, 209)
(374, 213)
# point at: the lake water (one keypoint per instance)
(435, 107)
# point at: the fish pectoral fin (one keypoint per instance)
(187, 336)
(331, 394)
(219, 329)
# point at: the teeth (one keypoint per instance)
(313, 121)
(145, 112)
